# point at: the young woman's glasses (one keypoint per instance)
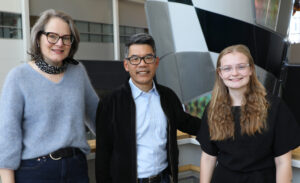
(136, 60)
(238, 67)
(53, 38)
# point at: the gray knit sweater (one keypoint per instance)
(38, 116)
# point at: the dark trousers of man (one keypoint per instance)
(164, 178)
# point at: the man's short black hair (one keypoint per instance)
(140, 38)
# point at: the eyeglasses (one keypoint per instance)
(136, 60)
(53, 38)
(229, 68)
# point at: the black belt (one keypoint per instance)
(63, 153)
(153, 179)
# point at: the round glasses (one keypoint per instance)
(136, 60)
(241, 68)
(53, 38)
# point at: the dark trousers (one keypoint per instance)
(165, 178)
(45, 170)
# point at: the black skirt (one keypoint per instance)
(224, 175)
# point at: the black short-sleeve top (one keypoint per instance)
(249, 153)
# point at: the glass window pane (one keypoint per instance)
(18, 33)
(83, 27)
(95, 38)
(127, 38)
(122, 30)
(84, 37)
(1, 32)
(6, 32)
(10, 19)
(12, 33)
(95, 28)
(129, 31)
(107, 29)
(294, 33)
(1, 21)
(107, 39)
(122, 39)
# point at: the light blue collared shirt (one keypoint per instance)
(151, 132)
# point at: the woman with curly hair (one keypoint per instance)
(246, 136)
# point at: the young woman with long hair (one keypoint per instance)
(245, 135)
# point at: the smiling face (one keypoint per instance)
(54, 54)
(239, 76)
(141, 74)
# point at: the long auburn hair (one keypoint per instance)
(253, 111)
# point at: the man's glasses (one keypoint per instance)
(136, 60)
(53, 38)
(229, 68)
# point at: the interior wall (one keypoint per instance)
(13, 6)
(11, 56)
(87, 10)
(132, 14)
(11, 49)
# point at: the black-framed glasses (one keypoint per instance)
(53, 38)
(136, 60)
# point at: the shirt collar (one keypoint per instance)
(136, 92)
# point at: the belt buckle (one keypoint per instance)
(53, 158)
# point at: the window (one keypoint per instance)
(107, 29)
(95, 38)
(294, 33)
(83, 27)
(127, 31)
(266, 13)
(94, 32)
(84, 37)
(101, 32)
(95, 28)
(10, 25)
(107, 33)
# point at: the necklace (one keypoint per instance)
(50, 69)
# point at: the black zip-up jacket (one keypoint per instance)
(116, 152)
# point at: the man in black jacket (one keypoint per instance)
(137, 123)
